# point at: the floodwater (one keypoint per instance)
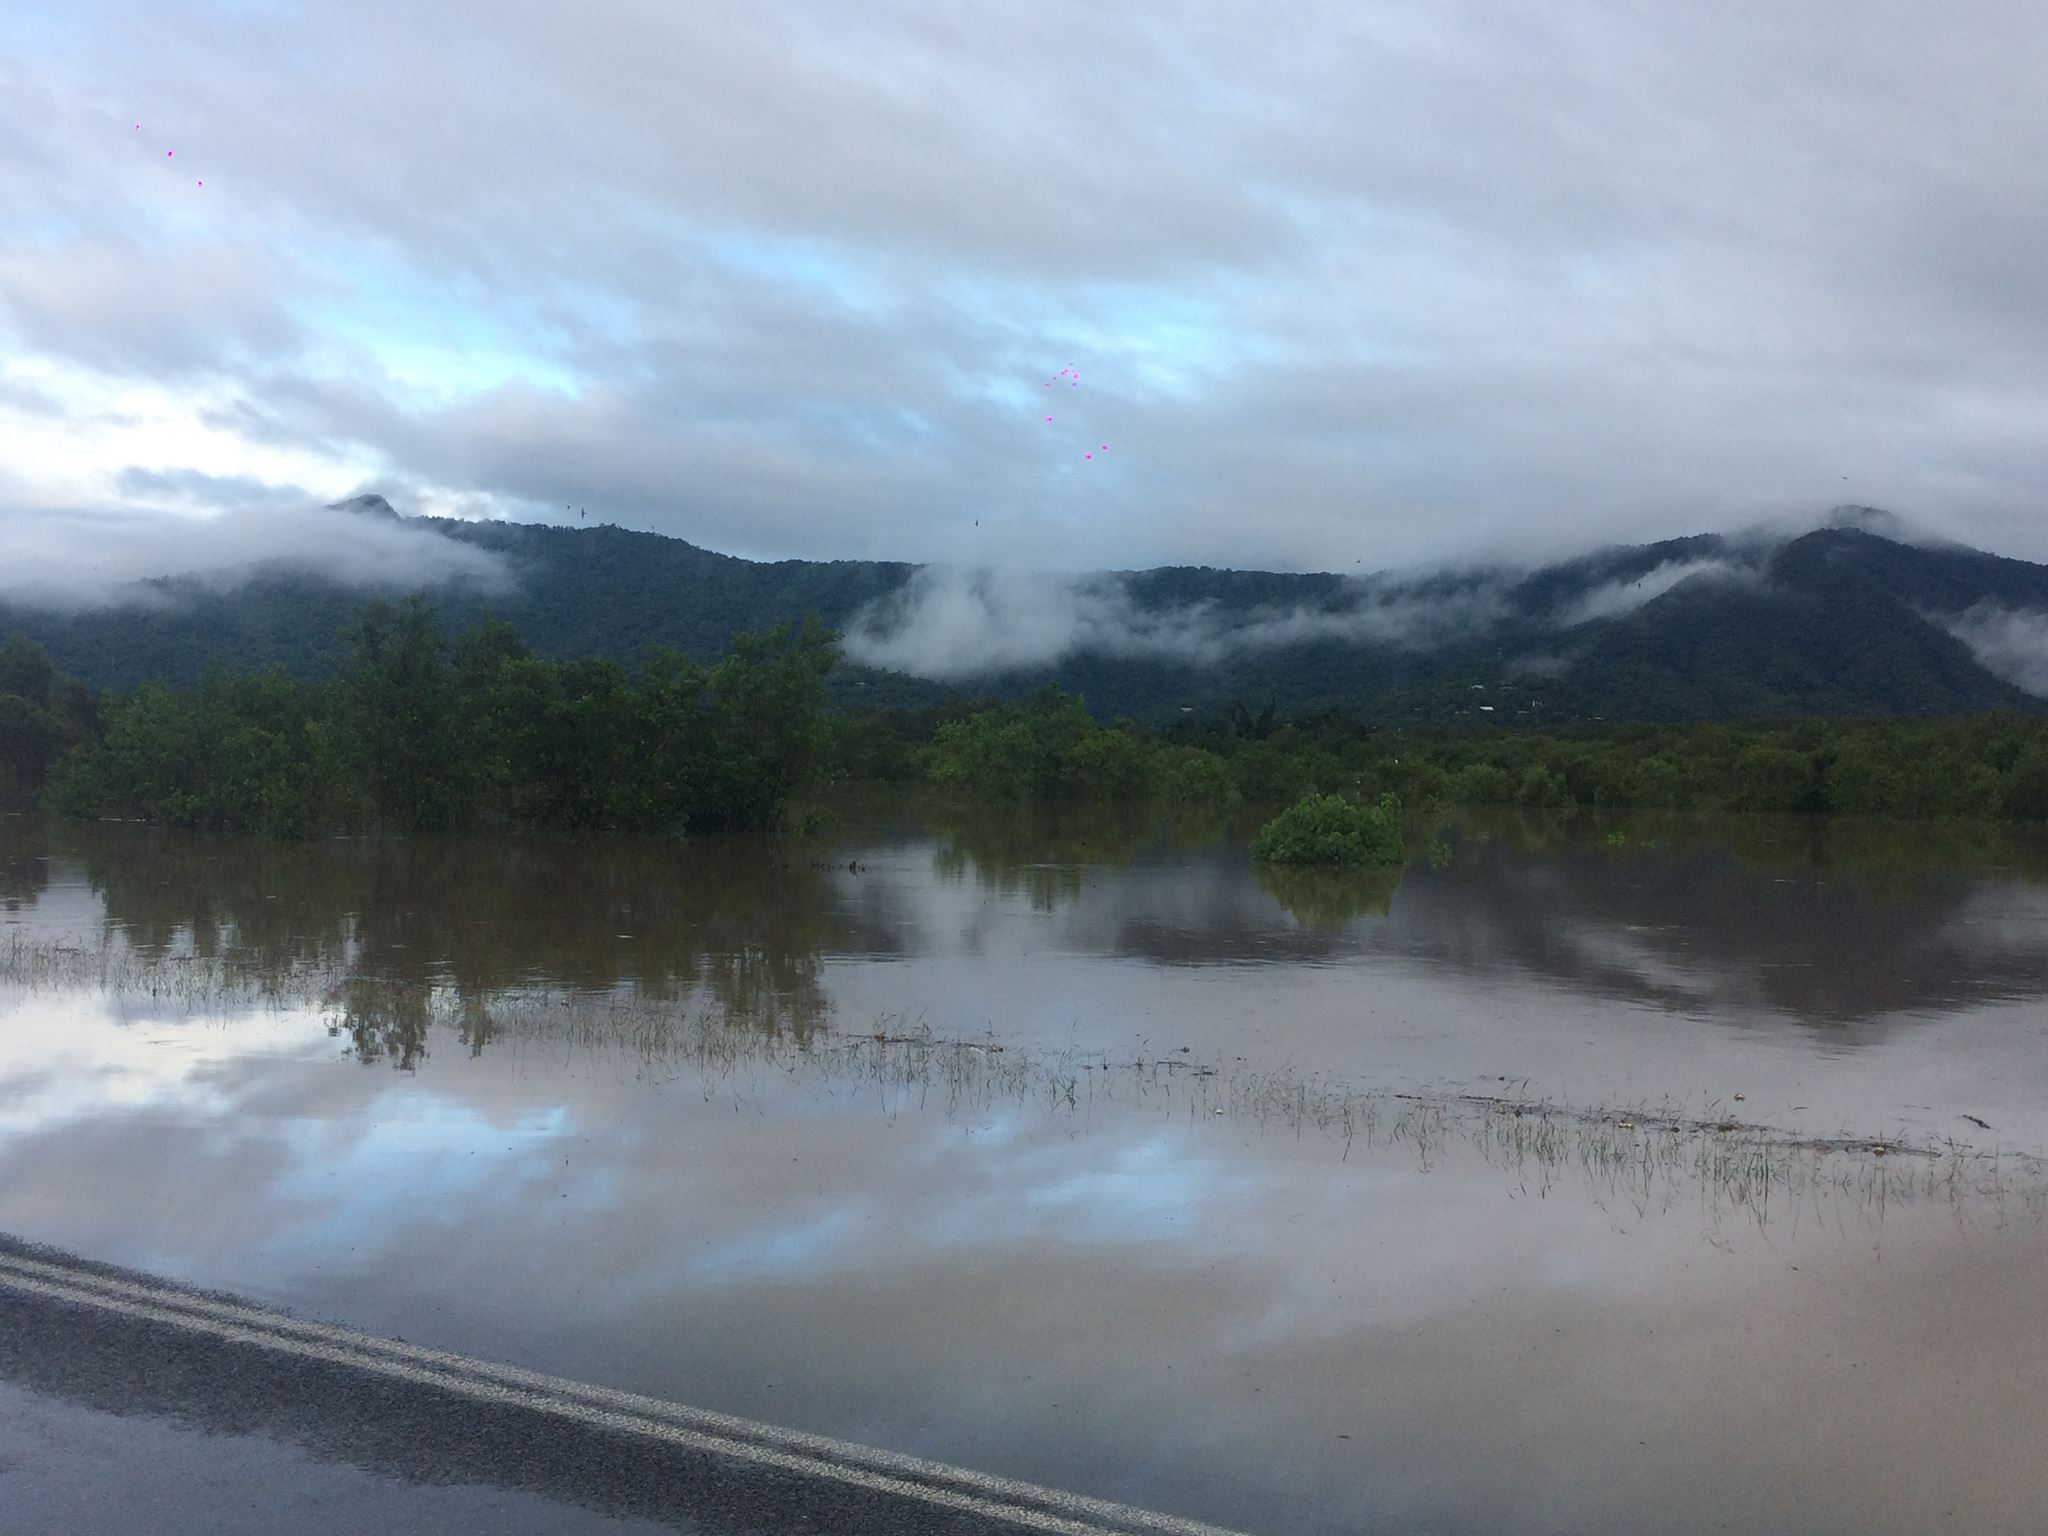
(1641, 1176)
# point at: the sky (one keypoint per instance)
(1349, 284)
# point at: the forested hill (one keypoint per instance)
(1841, 621)
(578, 592)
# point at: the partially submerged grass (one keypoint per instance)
(1653, 1158)
(1639, 1158)
(185, 980)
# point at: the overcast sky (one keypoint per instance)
(1345, 284)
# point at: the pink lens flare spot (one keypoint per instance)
(168, 153)
(1105, 447)
(1048, 418)
(1087, 455)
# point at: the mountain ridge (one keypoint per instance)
(1841, 620)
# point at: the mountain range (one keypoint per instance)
(1853, 618)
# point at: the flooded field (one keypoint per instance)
(1635, 1176)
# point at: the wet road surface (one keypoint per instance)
(129, 1404)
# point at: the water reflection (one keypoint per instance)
(24, 870)
(1330, 898)
(1821, 923)
(1259, 1279)
(1042, 853)
(741, 920)
(388, 1022)
(926, 1245)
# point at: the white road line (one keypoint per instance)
(910, 1477)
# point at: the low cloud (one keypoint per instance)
(75, 560)
(2011, 643)
(952, 623)
(1616, 598)
(949, 623)
(1539, 666)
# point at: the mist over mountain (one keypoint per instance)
(86, 562)
(1851, 618)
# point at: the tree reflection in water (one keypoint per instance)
(24, 867)
(406, 927)
(1044, 853)
(1330, 897)
(1815, 924)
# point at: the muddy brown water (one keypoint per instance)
(1085, 1153)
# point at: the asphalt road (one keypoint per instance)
(130, 1404)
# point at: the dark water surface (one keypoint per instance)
(1087, 1154)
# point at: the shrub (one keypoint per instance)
(1115, 764)
(2026, 789)
(1188, 776)
(1328, 829)
(1267, 774)
(1772, 779)
(1541, 789)
(1482, 784)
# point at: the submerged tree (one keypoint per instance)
(414, 738)
(1328, 829)
(42, 715)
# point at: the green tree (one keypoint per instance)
(1482, 784)
(2026, 787)
(1115, 764)
(1328, 829)
(1019, 752)
(403, 713)
(1772, 779)
(764, 720)
(1540, 789)
(31, 733)
(25, 671)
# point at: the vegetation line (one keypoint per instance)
(414, 733)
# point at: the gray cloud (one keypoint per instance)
(120, 305)
(70, 560)
(2011, 643)
(190, 485)
(1371, 288)
(1612, 599)
(951, 623)
(18, 395)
